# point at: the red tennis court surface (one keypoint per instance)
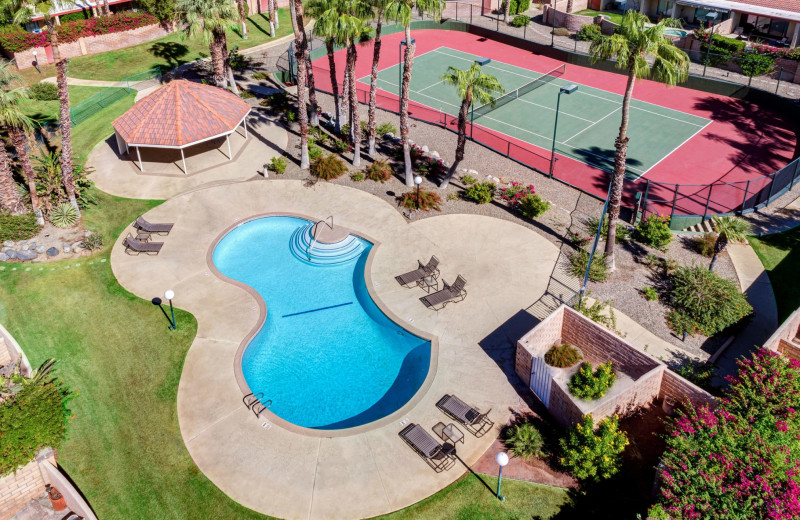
(744, 142)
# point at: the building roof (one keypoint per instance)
(782, 9)
(181, 113)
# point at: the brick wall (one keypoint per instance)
(562, 406)
(27, 483)
(790, 350)
(641, 393)
(548, 333)
(9, 347)
(5, 355)
(788, 330)
(677, 388)
(522, 365)
(572, 22)
(577, 5)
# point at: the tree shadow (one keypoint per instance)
(252, 20)
(171, 52)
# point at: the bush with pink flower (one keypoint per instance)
(524, 199)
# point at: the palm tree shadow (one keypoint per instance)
(252, 20)
(171, 52)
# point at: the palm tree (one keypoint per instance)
(473, 86)
(506, 9)
(300, 45)
(24, 10)
(17, 124)
(645, 52)
(729, 229)
(274, 21)
(379, 7)
(241, 6)
(400, 12)
(107, 8)
(210, 18)
(10, 200)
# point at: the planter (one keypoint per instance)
(580, 359)
(668, 405)
(56, 499)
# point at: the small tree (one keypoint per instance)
(593, 455)
(729, 229)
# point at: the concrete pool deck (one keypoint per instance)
(283, 471)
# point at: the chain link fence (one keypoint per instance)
(110, 95)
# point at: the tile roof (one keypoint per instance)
(181, 113)
(785, 5)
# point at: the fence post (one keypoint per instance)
(470, 14)
(746, 192)
(749, 81)
(796, 169)
(456, 11)
(576, 44)
(525, 32)
(644, 200)
(778, 85)
(708, 200)
(771, 187)
(674, 201)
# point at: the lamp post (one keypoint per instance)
(582, 291)
(418, 181)
(501, 459)
(36, 62)
(169, 295)
(710, 17)
(401, 64)
(553, 32)
(568, 89)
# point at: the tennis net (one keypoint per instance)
(521, 91)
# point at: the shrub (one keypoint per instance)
(561, 31)
(83, 14)
(513, 193)
(593, 455)
(341, 146)
(585, 384)
(454, 196)
(33, 415)
(44, 91)
(328, 167)
(705, 244)
(589, 32)
(314, 152)
(654, 231)
(623, 231)
(599, 311)
(428, 200)
(92, 242)
(532, 206)
(697, 372)
(277, 165)
(357, 176)
(722, 48)
(521, 20)
(260, 76)
(14, 38)
(278, 102)
(386, 128)
(753, 64)
(703, 303)
(430, 166)
(525, 440)
(516, 7)
(379, 171)
(562, 356)
(579, 259)
(50, 186)
(468, 180)
(64, 215)
(480, 193)
(18, 227)
(649, 293)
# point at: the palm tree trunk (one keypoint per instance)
(719, 246)
(337, 105)
(20, 145)
(373, 84)
(345, 101)
(65, 118)
(618, 179)
(10, 200)
(461, 143)
(217, 49)
(355, 124)
(300, 44)
(408, 62)
(107, 7)
(243, 17)
(312, 91)
(270, 15)
(275, 14)
(506, 11)
(569, 6)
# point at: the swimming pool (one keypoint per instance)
(326, 356)
(676, 32)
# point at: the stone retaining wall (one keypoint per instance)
(573, 22)
(27, 483)
(783, 340)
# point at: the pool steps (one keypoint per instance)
(255, 402)
(306, 249)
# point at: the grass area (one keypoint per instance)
(780, 254)
(612, 17)
(170, 51)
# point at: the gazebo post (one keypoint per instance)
(244, 124)
(228, 139)
(183, 158)
(139, 155)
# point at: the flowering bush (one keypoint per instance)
(591, 454)
(427, 200)
(586, 384)
(515, 192)
(743, 459)
(775, 52)
(654, 231)
(15, 39)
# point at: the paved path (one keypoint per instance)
(291, 472)
(769, 220)
(86, 82)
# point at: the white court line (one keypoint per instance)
(672, 151)
(562, 112)
(488, 66)
(431, 85)
(400, 65)
(588, 127)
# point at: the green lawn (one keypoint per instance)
(612, 17)
(170, 51)
(780, 254)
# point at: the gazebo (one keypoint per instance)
(179, 115)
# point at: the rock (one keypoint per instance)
(32, 245)
(425, 148)
(53, 251)
(27, 255)
(8, 243)
(87, 233)
(9, 252)
(76, 246)
(40, 250)
(472, 172)
(446, 164)
(435, 154)
(388, 135)
(3, 257)
(66, 249)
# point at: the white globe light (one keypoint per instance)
(501, 458)
(417, 180)
(169, 294)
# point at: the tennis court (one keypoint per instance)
(588, 119)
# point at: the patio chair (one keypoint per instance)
(426, 447)
(423, 271)
(154, 229)
(133, 246)
(450, 293)
(477, 423)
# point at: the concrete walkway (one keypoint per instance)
(280, 469)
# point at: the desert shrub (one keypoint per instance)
(341, 146)
(386, 128)
(427, 200)
(589, 32)
(290, 115)
(18, 227)
(50, 185)
(379, 171)
(562, 356)
(357, 176)
(430, 166)
(480, 193)
(525, 440)
(579, 259)
(44, 91)
(599, 311)
(593, 455)
(623, 231)
(277, 165)
(246, 93)
(590, 385)
(314, 151)
(33, 414)
(328, 167)
(92, 242)
(561, 31)
(705, 244)
(704, 303)
(753, 64)
(64, 215)
(259, 76)
(649, 293)
(654, 231)
(454, 196)
(532, 206)
(521, 20)
(468, 180)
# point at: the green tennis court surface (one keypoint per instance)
(588, 120)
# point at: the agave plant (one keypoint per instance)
(64, 215)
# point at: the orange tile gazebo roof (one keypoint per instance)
(179, 114)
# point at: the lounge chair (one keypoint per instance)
(417, 275)
(133, 246)
(426, 447)
(450, 293)
(474, 421)
(154, 229)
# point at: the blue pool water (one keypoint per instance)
(326, 356)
